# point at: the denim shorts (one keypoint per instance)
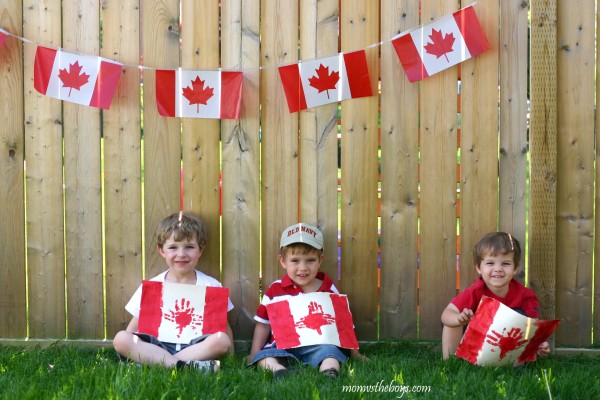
(171, 348)
(311, 355)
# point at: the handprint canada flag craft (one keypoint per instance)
(312, 318)
(498, 335)
(178, 313)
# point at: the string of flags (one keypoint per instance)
(186, 93)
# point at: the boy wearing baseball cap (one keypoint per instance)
(300, 255)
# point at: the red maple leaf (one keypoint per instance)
(73, 79)
(324, 80)
(197, 94)
(441, 44)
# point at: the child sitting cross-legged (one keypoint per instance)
(300, 255)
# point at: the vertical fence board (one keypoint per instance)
(512, 49)
(241, 167)
(575, 165)
(318, 134)
(43, 154)
(122, 164)
(596, 299)
(13, 321)
(479, 143)
(162, 147)
(399, 179)
(200, 137)
(359, 26)
(81, 33)
(279, 160)
(438, 188)
(543, 141)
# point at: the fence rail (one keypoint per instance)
(82, 189)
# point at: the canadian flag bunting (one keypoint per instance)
(199, 94)
(313, 318)
(441, 44)
(3, 35)
(498, 335)
(178, 313)
(326, 80)
(76, 78)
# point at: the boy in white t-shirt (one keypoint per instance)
(181, 238)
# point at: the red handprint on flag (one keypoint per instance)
(183, 316)
(316, 318)
(506, 342)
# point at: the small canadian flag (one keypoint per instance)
(178, 313)
(313, 318)
(199, 94)
(326, 80)
(498, 335)
(76, 78)
(3, 35)
(441, 44)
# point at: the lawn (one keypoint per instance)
(396, 370)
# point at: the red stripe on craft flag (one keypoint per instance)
(216, 300)
(283, 325)
(231, 94)
(106, 85)
(473, 35)
(409, 57)
(292, 85)
(357, 73)
(151, 314)
(543, 331)
(42, 68)
(165, 92)
(343, 321)
(477, 330)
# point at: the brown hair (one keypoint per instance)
(300, 248)
(495, 243)
(183, 225)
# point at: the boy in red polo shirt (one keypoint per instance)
(300, 255)
(496, 258)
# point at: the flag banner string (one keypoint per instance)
(144, 67)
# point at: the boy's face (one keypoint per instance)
(302, 268)
(181, 256)
(497, 272)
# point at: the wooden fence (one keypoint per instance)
(81, 190)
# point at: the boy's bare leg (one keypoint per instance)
(450, 340)
(271, 363)
(135, 349)
(329, 363)
(213, 347)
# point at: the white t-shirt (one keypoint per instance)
(133, 306)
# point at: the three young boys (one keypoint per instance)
(182, 237)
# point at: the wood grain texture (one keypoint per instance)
(122, 165)
(359, 25)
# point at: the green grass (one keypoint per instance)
(71, 372)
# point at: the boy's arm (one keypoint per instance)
(453, 317)
(260, 337)
(133, 325)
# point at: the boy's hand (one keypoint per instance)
(544, 349)
(465, 316)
